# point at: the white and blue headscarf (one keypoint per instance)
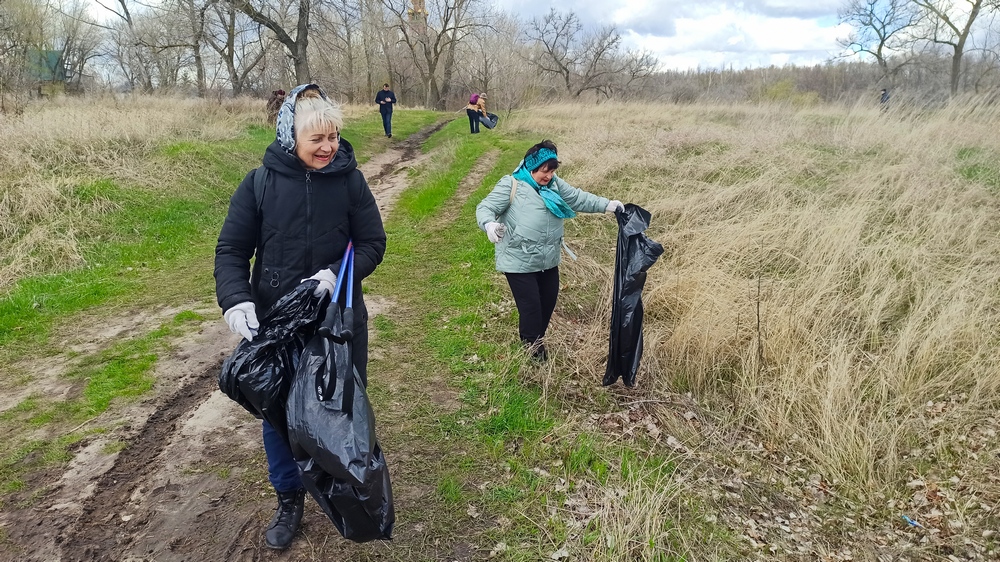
(553, 202)
(286, 116)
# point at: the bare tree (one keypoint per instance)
(340, 22)
(298, 48)
(582, 61)
(432, 37)
(951, 25)
(881, 30)
(240, 46)
(79, 38)
(130, 53)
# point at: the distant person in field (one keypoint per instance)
(523, 216)
(385, 99)
(883, 100)
(315, 201)
(273, 105)
(476, 107)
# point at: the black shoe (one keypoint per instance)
(389, 135)
(286, 520)
(537, 352)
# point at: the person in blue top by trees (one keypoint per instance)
(385, 100)
(523, 216)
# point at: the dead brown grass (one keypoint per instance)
(56, 147)
(830, 277)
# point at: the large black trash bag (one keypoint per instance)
(636, 253)
(489, 120)
(330, 419)
(257, 374)
(360, 513)
(331, 431)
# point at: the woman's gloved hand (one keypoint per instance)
(242, 319)
(495, 231)
(327, 282)
(613, 206)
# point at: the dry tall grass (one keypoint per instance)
(832, 272)
(54, 148)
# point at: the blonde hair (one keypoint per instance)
(316, 113)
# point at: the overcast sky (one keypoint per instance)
(686, 34)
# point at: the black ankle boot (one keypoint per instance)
(286, 520)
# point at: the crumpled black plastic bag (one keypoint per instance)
(339, 433)
(636, 253)
(334, 439)
(360, 513)
(256, 375)
(489, 120)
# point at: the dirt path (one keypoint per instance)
(189, 481)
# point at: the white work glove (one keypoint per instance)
(614, 206)
(327, 281)
(242, 320)
(494, 231)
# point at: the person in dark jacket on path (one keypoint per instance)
(385, 99)
(523, 216)
(315, 201)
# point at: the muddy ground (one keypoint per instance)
(189, 481)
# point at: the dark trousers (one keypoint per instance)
(535, 295)
(387, 121)
(282, 470)
(473, 120)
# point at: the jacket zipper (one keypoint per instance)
(309, 190)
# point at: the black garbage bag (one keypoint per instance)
(329, 417)
(635, 255)
(360, 513)
(257, 374)
(490, 120)
(331, 431)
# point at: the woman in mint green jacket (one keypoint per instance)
(523, 216)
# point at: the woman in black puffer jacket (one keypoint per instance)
(314, 202)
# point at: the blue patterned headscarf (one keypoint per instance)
(286, 116)
(553, 201)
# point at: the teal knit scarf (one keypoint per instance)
(553, 202)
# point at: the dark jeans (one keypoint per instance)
(473, 120)
(387, 122)
(282, 470)
(535, 295)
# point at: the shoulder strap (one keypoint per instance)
(260, 177)
(513, 190)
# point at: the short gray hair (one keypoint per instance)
(314, 113)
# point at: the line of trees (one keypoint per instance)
(432, 53)
(435, 52)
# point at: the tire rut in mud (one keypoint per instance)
(409, 148)
(98, 535)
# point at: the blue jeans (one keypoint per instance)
(387, 122)
(282, 470)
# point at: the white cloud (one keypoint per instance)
(687, 34)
